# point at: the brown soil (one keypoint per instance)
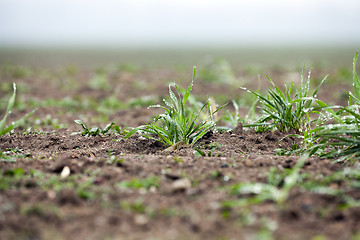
(188, 201)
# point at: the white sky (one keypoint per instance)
(201, 22)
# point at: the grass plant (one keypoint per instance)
(178, 125)
(340, 140)
(6, 129)
(286, 110)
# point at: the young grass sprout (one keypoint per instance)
(178, 125)
(6, 129)
(96, 130)
(271, 190)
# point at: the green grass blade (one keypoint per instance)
(328, 109)
(163, 135)
(279, 92)
(356, 115)
(351, 95)
(288, 92)
(174, 98)
(9, 107)
(81, 123)
(278, 99)
(355, 77)
(188, 90)
(305, 89)
(107, 127)
(134, 130)
(318, 87)
(221, 107)
(261, 97)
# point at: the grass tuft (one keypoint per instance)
(286, 110)
(342, 139)
(178, 124)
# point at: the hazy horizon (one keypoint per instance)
(163, 23)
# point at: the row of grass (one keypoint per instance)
(295, 110)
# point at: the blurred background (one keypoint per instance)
(75, 54)
(190, 22)
(228, 27)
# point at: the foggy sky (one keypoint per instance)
(142, 22)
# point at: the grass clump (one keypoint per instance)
(336, 131)
(178, 124)
(288, 110)
(6, 129)
(342, 139)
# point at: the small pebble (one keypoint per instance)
(181, 184)
(153, 189)
(141, 219)
(248, 163)
(142, 191)
(65, 172)
(51, 194)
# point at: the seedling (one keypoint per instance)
(137, 206)
(178, 126)
(212, 146)
(135, 183)
(271, 190)
(6, 129)
(48, 121)
(233, 118)
(96, 130)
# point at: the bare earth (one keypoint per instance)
(132, 189)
